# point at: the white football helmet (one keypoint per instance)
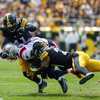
(11, 49)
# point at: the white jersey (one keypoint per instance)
(25, 50)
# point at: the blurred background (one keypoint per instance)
(72, 24)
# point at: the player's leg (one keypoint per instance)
(83, 59)
(80, 60)
(32, 76)
(39, 81)
(58, 75)
(78, 67)
(93, 65)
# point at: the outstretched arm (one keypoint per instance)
(31, 27)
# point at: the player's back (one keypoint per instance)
(58, 57)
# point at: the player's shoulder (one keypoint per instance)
(23, 22)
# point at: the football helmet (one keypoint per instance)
(11, 50)
(10, 22)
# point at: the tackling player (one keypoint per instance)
(15, 30)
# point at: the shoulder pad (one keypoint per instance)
(23, 22)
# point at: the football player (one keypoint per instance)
(16, 30)
(38, 50)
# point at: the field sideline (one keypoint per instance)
(13, 86)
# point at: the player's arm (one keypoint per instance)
(28, 26)
(31, 27)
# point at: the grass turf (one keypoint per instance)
(13, 86)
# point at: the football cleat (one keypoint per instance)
(63, 85)
(42, 86)
(86, 78)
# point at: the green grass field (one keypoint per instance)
(13, 86)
